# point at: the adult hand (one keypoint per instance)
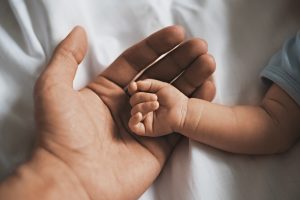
(85, 148)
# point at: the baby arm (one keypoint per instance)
(270, 128)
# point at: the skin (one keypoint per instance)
(85, 148)
(158, 108)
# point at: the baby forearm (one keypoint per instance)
(239, 129)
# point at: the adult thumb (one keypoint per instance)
(66, 58)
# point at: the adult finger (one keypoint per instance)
(206, 91)
(194, 76)
(176, 61)
(66, 58)
(141, 55)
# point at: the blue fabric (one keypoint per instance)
(284, 68)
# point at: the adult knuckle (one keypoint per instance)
(65, 54)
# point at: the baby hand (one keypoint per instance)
(158, 108)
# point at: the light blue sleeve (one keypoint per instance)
(284, 68)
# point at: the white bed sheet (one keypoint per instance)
(242, 35)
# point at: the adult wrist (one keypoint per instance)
(43, 177)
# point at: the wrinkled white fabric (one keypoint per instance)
(242, 35)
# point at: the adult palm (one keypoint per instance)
(86, 131)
